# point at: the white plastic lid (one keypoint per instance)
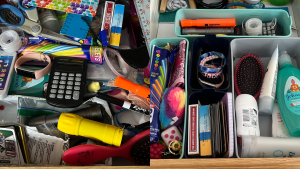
(284, 58)
(246, 100)
(246, 146)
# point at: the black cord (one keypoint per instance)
(202, 5)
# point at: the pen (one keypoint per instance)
(122, 103)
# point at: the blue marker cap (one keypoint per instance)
(103, 37)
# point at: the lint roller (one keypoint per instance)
(76, 125)
(208, 22)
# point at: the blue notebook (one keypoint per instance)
(75, 26)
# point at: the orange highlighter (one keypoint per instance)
(208, 22)
(128, 85)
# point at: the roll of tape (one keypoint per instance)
(253, 27)
(10, 41)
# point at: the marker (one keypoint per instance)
(208, 22)
(122, 103)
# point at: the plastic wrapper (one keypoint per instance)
(93, 53)
(35, 107)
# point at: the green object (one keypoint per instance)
(167, 17)
(175, 41)
(288, 94)
(28, 112)
(279, 2)
(25, 86)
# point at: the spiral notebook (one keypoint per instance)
(227, 100)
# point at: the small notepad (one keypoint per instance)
(227, 100)
(75, 26)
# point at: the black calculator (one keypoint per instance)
(66, 83)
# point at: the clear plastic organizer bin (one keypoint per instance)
(283, 18)
(175, 41)
(263, 48)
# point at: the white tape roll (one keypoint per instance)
(253, 27)
(10, 41)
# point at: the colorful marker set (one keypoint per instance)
(92, 53)
(81, 7)
(158, 81)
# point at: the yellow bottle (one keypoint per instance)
(76, 125)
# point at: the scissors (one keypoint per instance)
(12, 16)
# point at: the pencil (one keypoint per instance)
(159, 86)
(163, 85)
(155, 88)
(162, 74)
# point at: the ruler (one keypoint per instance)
(143, 10)
(75, 26)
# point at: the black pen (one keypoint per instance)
(122, 103)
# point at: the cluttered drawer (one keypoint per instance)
(258, 82)
(74, 84)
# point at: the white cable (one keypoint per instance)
(173, 5)
(253, 27)
(10, 41)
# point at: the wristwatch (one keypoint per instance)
(35, 74)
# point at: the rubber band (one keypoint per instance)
(120, 59)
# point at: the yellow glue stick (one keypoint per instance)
(76, 125)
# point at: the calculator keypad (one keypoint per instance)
(66, 86)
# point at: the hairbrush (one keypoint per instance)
(249, 75)
(137, 150)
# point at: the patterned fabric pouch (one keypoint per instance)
(177, 73)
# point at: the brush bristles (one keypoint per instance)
(248, 75)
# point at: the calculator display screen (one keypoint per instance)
(69, 67)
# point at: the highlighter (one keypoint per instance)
(208, 22)
(128, 85)
(76, 125)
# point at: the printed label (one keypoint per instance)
(4, 67)
(193, 140)
(292, 94)
(250, 117)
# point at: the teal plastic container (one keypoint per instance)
(288, 94)
(162, 42)
(283, 18)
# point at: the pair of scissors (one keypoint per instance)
(12, 16)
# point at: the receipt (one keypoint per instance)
(44, 149)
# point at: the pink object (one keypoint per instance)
(172, 133)
(27, 56)
(119, 94)
(177, 73)
(89, 153)
(156, 150)
(166, 135)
